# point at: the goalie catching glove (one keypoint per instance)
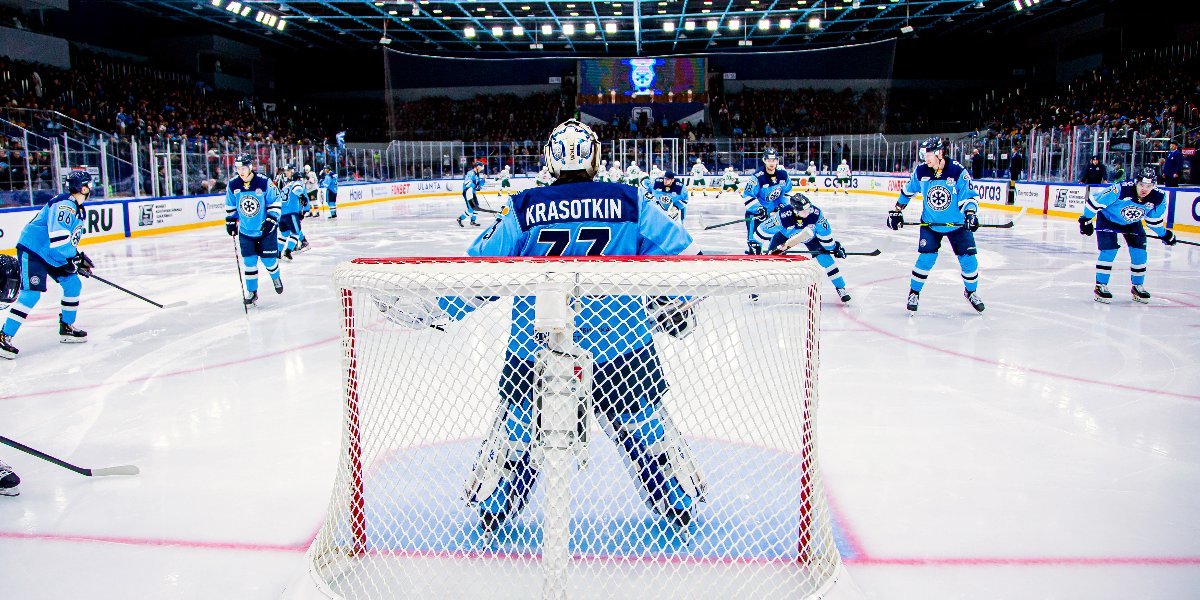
(411, 313)
(674, 316)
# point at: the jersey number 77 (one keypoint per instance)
(559, 239)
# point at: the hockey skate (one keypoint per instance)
(8, 479)
(69, 334)
(1102, 294)
(914, 297)
(287, 253)
(7, 350)
(843, 294)
(278, 283)
(1139, 294)
(753, 248)
(303, 246)
(460, 219)
(973, 298)
(251, 300)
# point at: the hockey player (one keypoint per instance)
(843, 179)
(49, 249)
(329, 183)
(635, 176)
(699, 171)
(797, 222)
(8, 481)
(655, 173)
(311, 186)
(671, 195)
(472, 183)
(763, 195)
(286, 174)
(811, 173)
(627, 378)
(1121, 209)
(506, 187)
(602, 172)
(252, 210)
(615, 175)
(729, 181)
(291, 236)
(946, 187)
(544, 178)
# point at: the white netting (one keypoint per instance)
(699, 473)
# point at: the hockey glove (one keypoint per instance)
(411, 313)
(760, 214)
(1169, 238)
(971, 220)
(1086, 226)
(673, 316)
(72, 266)
(231, 227)
(838, 250)
(895, 219)
(269, 225)
(85, 264)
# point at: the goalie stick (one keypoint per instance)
(136, 295)
(118, 470)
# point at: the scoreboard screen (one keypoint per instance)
(636, 77)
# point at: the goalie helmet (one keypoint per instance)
(572, 146)
(10, 278)
(77, 179)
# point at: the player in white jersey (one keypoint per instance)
(843, 179)
(811, 174)
(311, 185)
(602, 173)
(698, 173)
(655, 173)
(634, 176)
(729, 181)
(506, 187)
(615, 175)
(544, 178)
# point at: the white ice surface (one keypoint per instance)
(1049, 448)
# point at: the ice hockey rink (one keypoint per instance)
(1047, 448)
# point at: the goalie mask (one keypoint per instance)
(572, 146)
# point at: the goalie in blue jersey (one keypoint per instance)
(575, 216)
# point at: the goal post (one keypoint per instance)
(594, 427)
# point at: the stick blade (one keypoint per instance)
(875, 252)
(118, 470)
(176, 304)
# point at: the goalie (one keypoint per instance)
(615, 335)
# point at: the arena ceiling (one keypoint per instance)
(575, 27)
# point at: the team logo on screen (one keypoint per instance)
(249, 205)
(641, 75)
(938, 198)
(1133, 213)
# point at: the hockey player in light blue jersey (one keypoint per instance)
(471, 186)
(671, 195)
(49, 249)
(1120, 209)
(950, 204)
(578, 217)
(292, 200)
(252, 211)
(799, 221)
(329, 183)
(763, 194)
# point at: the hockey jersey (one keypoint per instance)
(330, 182)
(766, 190)
(1121, 205)
(249, 203)
(292, 198)
(947, 192)
(669, 195)
(55, 231)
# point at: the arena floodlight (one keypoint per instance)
(216, 3)
(233, 7)
(735, 24)
(497, 32)
(814, 23)
(469, 32)
(764, 24)
(547, 30)
(668, 26)
(281, 25)
(568, 29)
(610, 28)
(689, 25)
(259, 17)
(385, 40)
(246, 10)
(589, 28)
(785, 23)
(712, 25)
(906, 29)
(518, 31)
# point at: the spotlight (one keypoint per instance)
(906, 29)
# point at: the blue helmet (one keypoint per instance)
(669, 175)
(769, 154)
(243, 160)
(77, 179)
(1147, 175)
(799, 201)
(933, 144)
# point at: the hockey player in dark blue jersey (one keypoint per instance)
(252, 211)
(671, 195)
(472, 184)
(578, 217)
(329, 183)
(763, 194)
(292, 199)
(946, 187)
(799, 221)
(1121, 209)
(49, 249)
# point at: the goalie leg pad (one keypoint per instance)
(503, 475)
(628, 397)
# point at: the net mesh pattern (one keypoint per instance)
(688, 468)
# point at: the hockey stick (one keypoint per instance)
(1149, 235)
(875, 252)
(1007, 225)
(120, 470)
(237, 256)
(134, 294)
(734, 222)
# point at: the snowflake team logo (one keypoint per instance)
(775, 193)
(1133, 214)
(938, 198)
(35, 280)
(249, 205)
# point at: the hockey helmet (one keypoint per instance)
(799, 202)
(572, 146)
(10, 278)
(1146, 175)
(243, 160)
(77, 179)
(933, 144)
(769, 154)
(669, 175)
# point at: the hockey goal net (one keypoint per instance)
(578, 428)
